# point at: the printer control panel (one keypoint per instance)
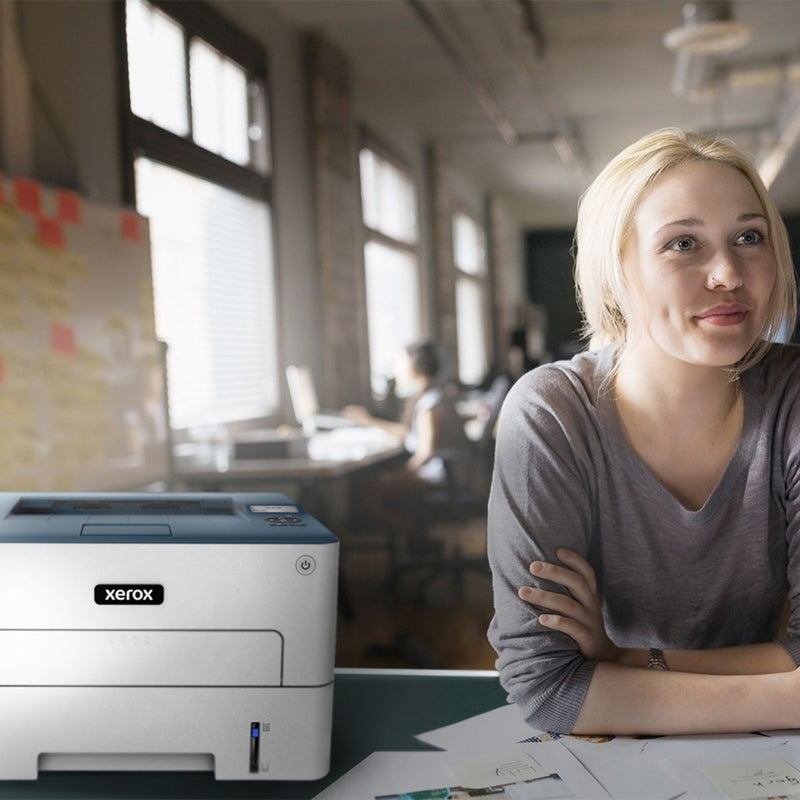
(187, 518)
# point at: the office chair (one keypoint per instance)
(444, 513)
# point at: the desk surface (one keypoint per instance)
(372, 710)
(331, 455)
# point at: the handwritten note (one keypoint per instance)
(756, 780)
(496, 769)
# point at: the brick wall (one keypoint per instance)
(444, 306)
(345, 372)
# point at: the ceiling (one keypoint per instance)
(531, 98)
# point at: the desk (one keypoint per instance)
(372, 710)
(333, 457)
(330, 455)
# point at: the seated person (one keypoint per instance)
(433, 436)
(644, 518)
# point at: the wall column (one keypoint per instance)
(345, 372)
(16, 126)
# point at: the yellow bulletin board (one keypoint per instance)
(81, 378)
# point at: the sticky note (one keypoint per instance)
(131, 225)
(28, 195)
(69, 206)
(50, 233)
(62, 339)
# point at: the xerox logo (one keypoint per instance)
(140, 594)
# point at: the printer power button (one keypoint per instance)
(305, 565)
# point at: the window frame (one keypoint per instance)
(481, 280)
(142, 138)
(368, 141)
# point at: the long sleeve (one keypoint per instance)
(786, 489)
(540, 500)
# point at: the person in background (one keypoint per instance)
(432, 433)
(644, 517)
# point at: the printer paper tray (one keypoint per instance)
(140, 658)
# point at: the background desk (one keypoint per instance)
(320, 481)
(372, 710)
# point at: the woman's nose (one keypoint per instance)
(724, 273)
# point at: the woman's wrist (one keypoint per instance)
(633, 657)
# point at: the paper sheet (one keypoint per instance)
(623, 769)
(756, 779)
(481, 733)
(618, 764)
(497, 768)
(386, 773)
(547, 788)
(697, 767)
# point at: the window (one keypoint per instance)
(469, 250)
(389, 203)
(198, 167)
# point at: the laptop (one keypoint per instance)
(305, 403)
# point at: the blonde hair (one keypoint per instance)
(605, 220)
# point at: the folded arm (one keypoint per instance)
(743, 688)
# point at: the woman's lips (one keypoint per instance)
(724, 315)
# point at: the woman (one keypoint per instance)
(644, 518)
(433, 436)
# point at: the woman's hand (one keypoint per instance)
(578, 613)
(358, 414)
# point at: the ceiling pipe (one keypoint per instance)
(468, 75)
(532, 27)
(562, 137)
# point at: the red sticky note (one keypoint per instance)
(69, 206)
(131, 227)
(28, 195)
(50, 233)
(62, 339)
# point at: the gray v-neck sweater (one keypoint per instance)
(669, 577)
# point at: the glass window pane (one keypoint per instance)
(214, 296)
(393, 318)
(156, 67)
(468, 245)
(219, 103)
(471, 332)
(389, 199)
(206, 91)
(235, 122)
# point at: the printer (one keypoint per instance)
(166, 632)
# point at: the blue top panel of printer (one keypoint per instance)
(193, 518)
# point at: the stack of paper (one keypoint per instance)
(497, 755)
(493, 754)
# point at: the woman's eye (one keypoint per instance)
(751, 237)
(683, 244)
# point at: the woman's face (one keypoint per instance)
(406, 377)
(698, 266)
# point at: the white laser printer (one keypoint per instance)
(165, 631)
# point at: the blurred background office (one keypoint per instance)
(323, 182)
